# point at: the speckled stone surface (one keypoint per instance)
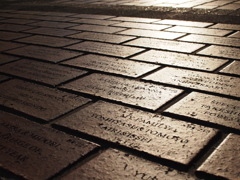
(233, 68)
(146, 95)
(36, 152)
(117, 165)
(31, 99)
(225, 160)
(209, 108)
(160, 136)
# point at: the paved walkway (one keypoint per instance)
(103, 96)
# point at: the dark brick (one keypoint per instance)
(3, 78)
(18, 21)
(11, 35)
(9, 45)
(6, 58)
(53, 24)
(14, 27)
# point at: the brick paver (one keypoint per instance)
(117, 97)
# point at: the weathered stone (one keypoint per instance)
(183, 23)
(97, 28)
(233, 68)
(48, 41)
(95, 21)
(92, 16)
(225, 160)
(112, 65)
(38, 101)
(9, 45)
(179, 59)
(18, 21)
(14, 27)
(44, 53)
(11, 35)
(209, 108)
(51, 74)
(198, 80)
(53, 24)
(221, 51)
(157, 135)
(135, 19)
(235, 35)
(165, 44)
(6, 58)
(115, 164)
(141, 25)
(31, 150)
(104, 48)
(132, 92)
(226, 26)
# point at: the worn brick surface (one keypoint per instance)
(157, 135)
(3, 78)
(97, 28)
(142, 26)
(95, 21)
(6, 58)
(226, 26)
(4, 45)
(235, 35)
(183, 23)
(53, 24)
(11, 35)
(225, 160)
(14, 27)
(133, 19)
(233, 68)
(31, 150)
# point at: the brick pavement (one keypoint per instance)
(86, 96)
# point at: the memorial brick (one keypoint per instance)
(225, 160)
(97, 28)
(114, 164)
(217, 110)
(146, 95)
(44, 53)
(157, 135)
(165, 44)
(38, 101)
(180, 59)
(31, 150)
(51, 74)
(112, 65)
(104, 48)
(233, 68)
(197, 80)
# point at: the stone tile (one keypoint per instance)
(235, 35)
(92, 16)
(142, 26)
(52, 24)
(180, 59)
(18, 21)
(4, 35)
(114, 164)
(233, 68)
(183, 23)
(48, 41)
(104, 48)
(51, 74)
(152, 34)
(31, 150)
(211, 40)
(9, 45)
(62, 14)
(14, 27)
(226, 26)
(54, 18)
(157, 135)
(112, 38)
(135, 19)
(197, 30)
(165, 44)
(217, 110)
(233, 6)
(44, 53)
(221, 51)
(6, 58)
(38, 101)
(3, 78)
(95, 21)
(112, 65)
(225, 160)
(52, 31)
(146, 95)
(197, 80)
(97, 28)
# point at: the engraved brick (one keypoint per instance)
(132, 92)
(92, 16)
(197, 80)
(233, 68)
(235, 35)
(183, 23)
(14, 27)
(112, 65)
(179, 59)
(104, 48)
(157, 135)
(6, 58)
(11, 35)
(31, 150)
(221, 51)
(115, 164)
(51, 74)
(226, 26)
(152, 34)
(9, 45)
(52, 24)
(112, 38)
(212, 40)
(52, 31)
(97, 28)
(95, 21)
(142, 25)
(48, 41)
(225, 160)
(38, 101)
(44, 53)
(209, 108)
(134, 19)
(196, 30)
(165, 44)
